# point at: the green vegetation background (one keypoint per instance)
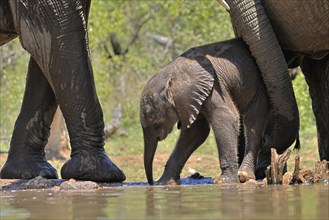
(120, 79)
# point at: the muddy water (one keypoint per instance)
(181, 202)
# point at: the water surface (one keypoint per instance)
(179, 202)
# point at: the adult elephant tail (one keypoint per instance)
(251, 23)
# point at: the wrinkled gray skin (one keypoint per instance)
(214, 85)
(59, 73)
(299, 28)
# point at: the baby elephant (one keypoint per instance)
(211, 85)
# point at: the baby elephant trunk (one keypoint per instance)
(150, 146)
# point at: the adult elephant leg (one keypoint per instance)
(317, 77)
(251, 23)
(55, 34)
(264, 160)
(189, 140)
(26, 157)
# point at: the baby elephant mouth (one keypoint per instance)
(164, 134)
(162, 137)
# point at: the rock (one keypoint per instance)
(252, 183)
(72, 184)
(37, 183)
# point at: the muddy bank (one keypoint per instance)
(62, 184)
(274, 173)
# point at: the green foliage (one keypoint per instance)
(304, 102)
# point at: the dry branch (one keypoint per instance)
(274, 173)
(307, 176)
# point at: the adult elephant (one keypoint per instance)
(301, 30)
(59, 73)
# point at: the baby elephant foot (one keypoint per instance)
(27, 167)
(246, 174)
(170, 176)
(94, 167)
(168, 181)
(226, 179)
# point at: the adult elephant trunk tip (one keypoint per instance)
(282, 135)
(252, 24)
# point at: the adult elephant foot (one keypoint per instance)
(245, 174)
(27, 167)
(94, 166)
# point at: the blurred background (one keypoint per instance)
(130, 41)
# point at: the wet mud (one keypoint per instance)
(305, 176)
(274, 176)
(204, 201)
(71, 184)
(196, 198)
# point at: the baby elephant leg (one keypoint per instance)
(189, 140)
(224, 120)
(254, 121)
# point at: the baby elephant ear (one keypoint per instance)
(191, 83)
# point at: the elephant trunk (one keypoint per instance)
(251, 23)
(150, 146)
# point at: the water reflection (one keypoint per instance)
(180, 202)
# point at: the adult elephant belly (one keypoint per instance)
(301, 26)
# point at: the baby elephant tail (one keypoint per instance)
(297, 144)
